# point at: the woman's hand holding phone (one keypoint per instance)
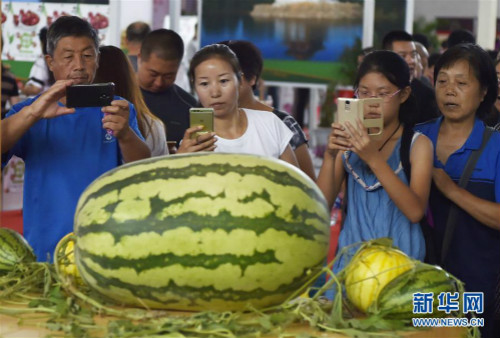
(338, 140)
(203, 142)
(360, 141)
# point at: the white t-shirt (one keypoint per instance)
(266, 135)
(156, 138)
(39, 74)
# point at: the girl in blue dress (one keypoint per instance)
(381, 200)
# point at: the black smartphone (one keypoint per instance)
(91, 95)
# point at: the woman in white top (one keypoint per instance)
(40, 78)
(215, 75)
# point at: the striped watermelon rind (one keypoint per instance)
(201, 231)
(14, 249)
(395, 301)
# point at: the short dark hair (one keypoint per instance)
(393, 67)
(137, 31)
(249, 57)
(482, 66)
(422, 38)
(66, 26)
(433, 59)
(460, 36)
(392, 36)
(164, 43)
(42, 35)
(214, 51)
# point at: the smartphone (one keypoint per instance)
(369, 111)
(91, 95)
(204, 117)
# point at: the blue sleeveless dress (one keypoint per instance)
(372, 214)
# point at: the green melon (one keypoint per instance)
(396, 298)
(14, 249)
(201, 231)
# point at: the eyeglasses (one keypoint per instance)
(386, 97)
(358, 179)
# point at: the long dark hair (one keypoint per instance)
(114, 66)
(396, 70)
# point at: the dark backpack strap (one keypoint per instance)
(464, 180)
(404, 151)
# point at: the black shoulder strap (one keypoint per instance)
(404, 151)
(464, 179)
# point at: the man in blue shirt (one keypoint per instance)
(65, 149)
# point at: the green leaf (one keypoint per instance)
(266, 323)
(304, 335)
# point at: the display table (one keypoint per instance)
(10, 328)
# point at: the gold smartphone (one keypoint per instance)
(369, 111)
(203, 117)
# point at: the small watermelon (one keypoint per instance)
(201, 231)
(65, 260)
(395, 301)
(14, 249)
(372, 268)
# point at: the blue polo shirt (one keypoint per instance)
(63, 155)
(474, 253)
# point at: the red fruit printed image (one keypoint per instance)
(56, 14)
(98, 21)
(16, 20)
(4, 18)
(29, 18)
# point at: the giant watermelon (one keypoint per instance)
(201, 231)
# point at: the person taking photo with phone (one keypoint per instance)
(65, 149)
(215, 74)
(382, 200)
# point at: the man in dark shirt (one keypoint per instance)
(402, 43)
(158, 63)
